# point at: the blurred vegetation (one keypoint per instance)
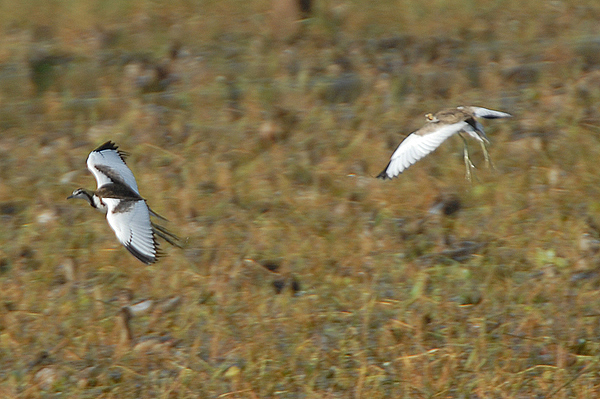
(257, 130)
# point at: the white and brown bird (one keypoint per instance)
(438, 128)
(126, 211)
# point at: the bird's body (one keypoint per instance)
(438, 128)
(126, 211)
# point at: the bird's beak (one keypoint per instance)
(70, 196)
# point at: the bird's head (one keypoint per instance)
(83, 194)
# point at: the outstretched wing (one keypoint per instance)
(416, 146)
(107, 164)
(130, 220)
(488, 113)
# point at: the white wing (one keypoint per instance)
(106, 165)
(414, 147)
(488, 113)
(130, 220)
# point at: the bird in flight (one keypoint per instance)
(126, 211)
(436, 130)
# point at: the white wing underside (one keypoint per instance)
(133, 228)
(414, 147)
(110, 160)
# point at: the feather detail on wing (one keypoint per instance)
(130, 220)
(416, 146)
(108, 166)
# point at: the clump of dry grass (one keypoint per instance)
(302, 275)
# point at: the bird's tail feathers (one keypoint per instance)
(166, 235)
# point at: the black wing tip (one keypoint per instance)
(147, 259)
(492, 116)
(496, 116)
(111, 146)
(383, 175)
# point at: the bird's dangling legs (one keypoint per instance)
(488, 160)
(468, 164)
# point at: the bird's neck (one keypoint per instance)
(95, 201)
(98, 204)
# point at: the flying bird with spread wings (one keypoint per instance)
(436, 130)
(126, 211)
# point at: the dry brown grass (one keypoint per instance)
(302, 276)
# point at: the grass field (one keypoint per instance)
(302, 275)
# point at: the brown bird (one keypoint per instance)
(438, 128)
